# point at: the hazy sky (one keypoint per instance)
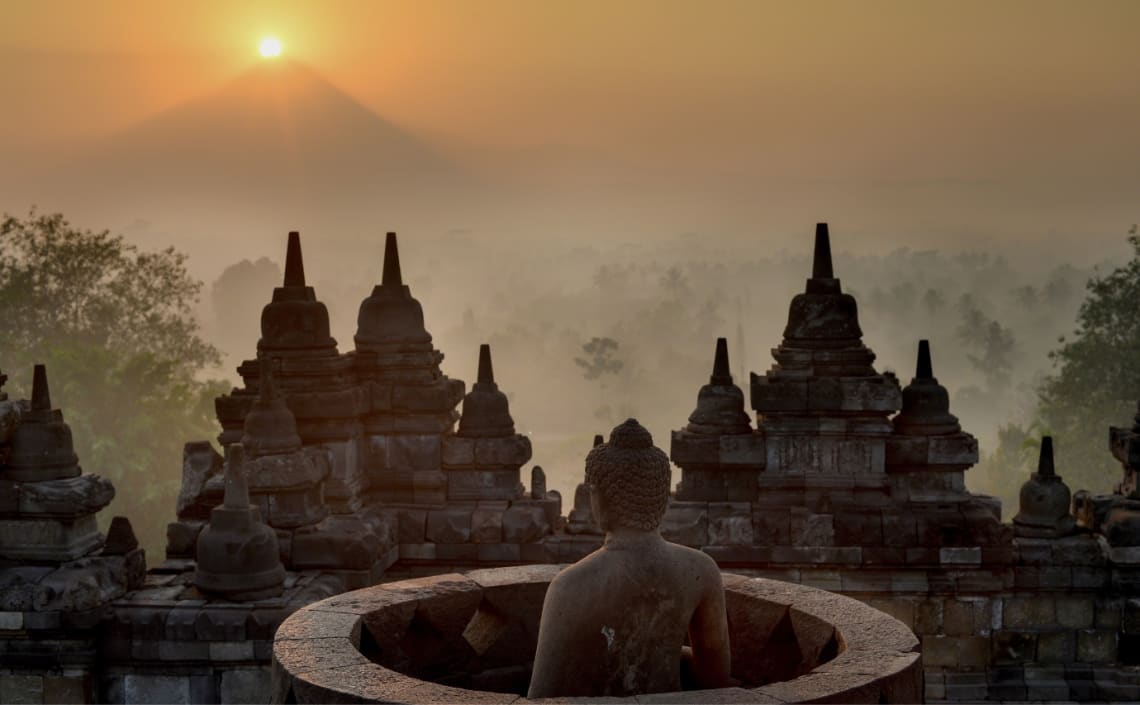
(1019, 114)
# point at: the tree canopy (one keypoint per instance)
(1096, 383)
(115, 327)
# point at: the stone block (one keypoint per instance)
(964, 555)
(487, 525)
(1028, 612)
(448, 526)
(229, 651)
(689, 449)
(498, 552)
(11, 621)
(905, 580)
(21, 689)
(180, 650)
(1096, 646)
(68, 689)
(902, 610)
(512, 451)
(1075, 612)
(417, 551)
(413, 452)
(246, 685)
(412, 525)
(458, 552)
(771, 526)
(928, 616)
(220, 624)
(973, 651)
(960, 449)
(1108, 613)
(182, 538)
(524, 524)
(1090, 578)
(483, 484)
(958, 617)
(1056, 647)
(458, 451)
(858, 528)
(139, 688)
(829, 580)
(742, 450)
(544, 552)
(1055, 577)
(940, 651)
(730, 523)
(1014, 647)
(204, 689)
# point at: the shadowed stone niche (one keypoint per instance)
(472, 638)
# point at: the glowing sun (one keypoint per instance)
(269, 47)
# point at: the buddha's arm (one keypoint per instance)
(708, 633)
(550, 662)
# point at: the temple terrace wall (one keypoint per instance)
(471, 638)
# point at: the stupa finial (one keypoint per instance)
(41, 397)
(294, 264)
(721, 373)
(237, 491)
(486, 372)
(821, 264)
(924, 369)
(1045, 460)
(392, 275)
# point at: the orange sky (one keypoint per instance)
(528, 72)
(736, 94)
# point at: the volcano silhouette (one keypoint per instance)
(278, 132)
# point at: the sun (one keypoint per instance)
(269, 47)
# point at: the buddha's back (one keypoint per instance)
(627, 646)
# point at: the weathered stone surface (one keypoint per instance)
(487, 525)
(69, 497)
(339, 541)
(524, 524)
(449, 526)
(199, 462)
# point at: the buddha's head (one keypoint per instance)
(628, 479)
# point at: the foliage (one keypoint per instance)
(1096, 382)
(601, 358)
(994, 345)
(123, 353)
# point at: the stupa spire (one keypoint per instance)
(41, 397)
(294, 264)
(237, 491)
(821, 264)
(1045, 466)
(392, 276)
(721, 373)
(924, 369)
(486, 372)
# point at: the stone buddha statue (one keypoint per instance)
(615, 623)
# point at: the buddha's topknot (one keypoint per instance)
(632, 477)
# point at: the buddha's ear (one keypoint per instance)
(599, 507)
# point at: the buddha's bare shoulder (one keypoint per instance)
(693, 559)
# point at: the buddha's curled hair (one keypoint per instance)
(632, 477)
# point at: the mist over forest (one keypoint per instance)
(992, 321)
